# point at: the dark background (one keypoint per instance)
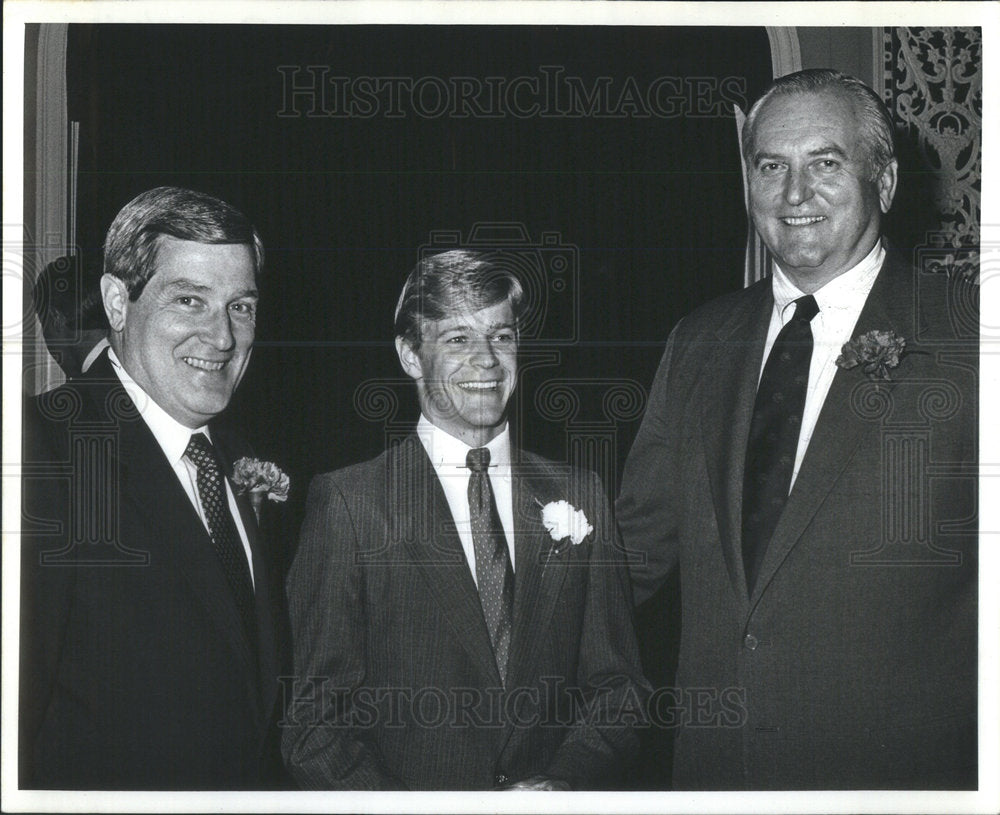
(648, 210)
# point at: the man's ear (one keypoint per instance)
(887, 184)
(114, 295)
(409, 359)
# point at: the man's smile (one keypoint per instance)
(802, 220)
(205, 364)
(491, 385)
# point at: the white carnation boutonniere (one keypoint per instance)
(563, 520)
(260, 479)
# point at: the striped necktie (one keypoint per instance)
(494, 572)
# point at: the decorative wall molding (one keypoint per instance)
(51, 180)
(932, 83)
(786, 56)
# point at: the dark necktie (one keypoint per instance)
(222, 529)
(774, 434)
(494, 572)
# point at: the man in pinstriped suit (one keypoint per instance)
(443, 637)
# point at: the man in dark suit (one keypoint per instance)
(71, 315)
(819, 500)
(148, 655)
(454, 625)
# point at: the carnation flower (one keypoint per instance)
(563, 520)
(260, 478)
(876, 352)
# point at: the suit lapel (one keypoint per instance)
(149, 483)
(538, 579)
(840, 428)
(262, 588)
(538, 575)
(150, 491)
(435, 549)
(727, 396)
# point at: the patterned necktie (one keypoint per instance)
(222, 529)
(494, 572)
(774, 434)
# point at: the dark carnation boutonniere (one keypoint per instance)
(876, 352)
(260, 479)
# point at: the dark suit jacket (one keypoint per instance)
(395, 681)
(135, 671)
(853, 662)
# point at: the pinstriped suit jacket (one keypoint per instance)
(395, 682)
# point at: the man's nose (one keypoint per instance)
(798, 187)
(484, 355)
(217, 330)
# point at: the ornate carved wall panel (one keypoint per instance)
(932, 83)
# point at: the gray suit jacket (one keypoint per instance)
(395, 681)
(853, 662)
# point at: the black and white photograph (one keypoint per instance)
(417, 407)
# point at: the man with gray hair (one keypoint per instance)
(460, 609)
(149, 628)
(808, 462)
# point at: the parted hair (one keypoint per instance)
(873, 117)
(453, 282)
(133, 239)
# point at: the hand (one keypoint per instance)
(539, 782)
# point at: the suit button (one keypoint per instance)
(750, 642)
(500, 779)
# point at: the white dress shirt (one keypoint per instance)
(95, 352)
(448, 456)
(173, 438)
(840, 302)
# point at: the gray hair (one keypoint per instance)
(875, 122)
(133, 239)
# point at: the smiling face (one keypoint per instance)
(186, 341)
(465, 370)
(810, 194)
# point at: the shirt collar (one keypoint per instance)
(95, 352)
(846, 291)
(171, 435)
(445, 450)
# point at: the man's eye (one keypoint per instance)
(244, 308)
(455, 340)
(503, 337)
(187, 300)
(829, 165)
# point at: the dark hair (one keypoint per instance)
(67, 299)
(874, 120)
(133, 238)
(451, 282)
